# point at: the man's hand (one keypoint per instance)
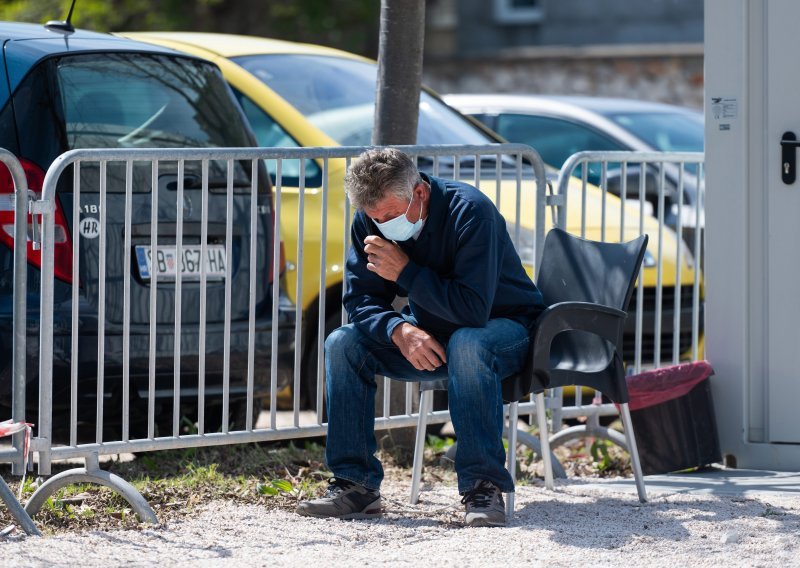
(419, 347)
(384, 258)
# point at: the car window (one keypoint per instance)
(4, 93)
(490, 120)
(270, 134)
(338, 96)
(33, 110)
(135, 100)
(554, 139)
(666, 132)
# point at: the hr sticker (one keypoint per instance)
(90, 228)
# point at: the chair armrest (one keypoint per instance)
(600, 320)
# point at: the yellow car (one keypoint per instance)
(298, 95)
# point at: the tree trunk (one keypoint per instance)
(399, 78)
(400, 45)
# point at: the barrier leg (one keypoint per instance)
(92, 474)
(582, 431)
(19, 514)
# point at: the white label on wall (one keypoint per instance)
(724, 111)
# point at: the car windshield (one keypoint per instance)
(338, 96)
(666, 132)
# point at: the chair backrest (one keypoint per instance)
(579, 270)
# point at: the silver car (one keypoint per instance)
(559, 126)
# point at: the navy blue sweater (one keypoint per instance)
(463, 270)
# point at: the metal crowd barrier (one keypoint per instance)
(17, 455)
(21, 199)
(520, 164)
(513, 175)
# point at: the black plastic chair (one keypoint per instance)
(577, 340)
(587, 286)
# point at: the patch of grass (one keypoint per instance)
(177, 482)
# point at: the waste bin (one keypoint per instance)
(673, 417)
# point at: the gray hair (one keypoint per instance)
(379, 172)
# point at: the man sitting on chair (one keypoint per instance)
(470, 307)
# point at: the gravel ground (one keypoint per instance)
(576, 525)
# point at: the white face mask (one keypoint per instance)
(400, 228)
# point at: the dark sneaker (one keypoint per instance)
(343, 500)
(484, 505)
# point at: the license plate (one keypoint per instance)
(165, 262)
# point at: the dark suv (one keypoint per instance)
(88, 90)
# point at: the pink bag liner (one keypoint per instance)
(665, 384)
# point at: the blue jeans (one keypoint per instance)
(477, 361)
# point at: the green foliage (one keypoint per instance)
(275, 487)
(600, 454)
(110, 15)
(68, 504)
(438, 445)
(347, 24)
(107, 15)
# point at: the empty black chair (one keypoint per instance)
(587, 286)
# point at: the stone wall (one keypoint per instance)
(671, 73)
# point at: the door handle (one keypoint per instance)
(789, 144)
